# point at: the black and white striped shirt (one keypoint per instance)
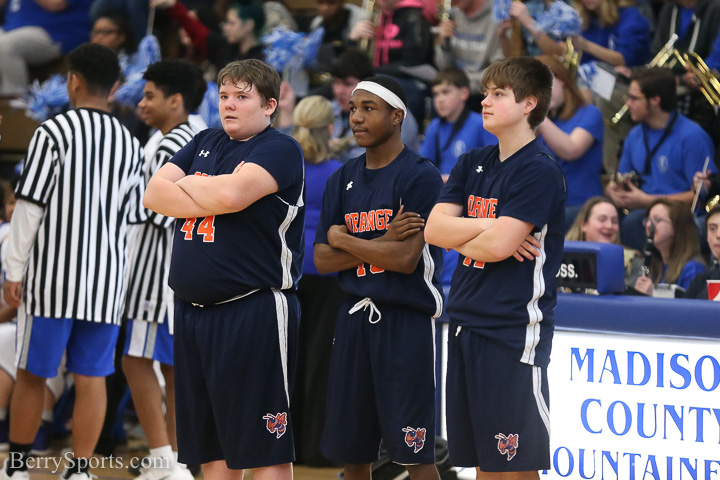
(85, 170)
(150, 244)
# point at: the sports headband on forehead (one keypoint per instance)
(382, 92)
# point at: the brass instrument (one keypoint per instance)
(571, 57)
(516, 39)
(666, 53)
(445, 12)
(623, 179)
(445, 6)
(712, 203)
(709, 84)
(367, 45)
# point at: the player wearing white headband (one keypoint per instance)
(381, 384)
(373, 86)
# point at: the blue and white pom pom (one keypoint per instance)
(501, 10)
(560, 21)
(131, 92)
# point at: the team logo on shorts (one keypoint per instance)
(508, 445)
(276, 424)
(414, 438)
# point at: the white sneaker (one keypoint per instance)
(17, 475)
(177, 472)
(181, 472)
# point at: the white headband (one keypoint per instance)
(383, 93)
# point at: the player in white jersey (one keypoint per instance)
(173, 89)
(81, 186)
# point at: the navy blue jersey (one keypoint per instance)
(366, 200)
(510, 301)
(220, 257)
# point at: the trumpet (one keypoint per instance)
(445, 11)
(709, 84)
(712, 203)
(623, 179)
(666, 53)
(445, 7)
(373, 13)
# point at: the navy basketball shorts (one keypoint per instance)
(381, 386)
(498, 415)
(234, 365)
(150, 340)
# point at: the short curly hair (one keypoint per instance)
(97, 65)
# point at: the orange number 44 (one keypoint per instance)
(206, 228)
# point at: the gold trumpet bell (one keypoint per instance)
(664, 58)
(709, 83)
(712, 203)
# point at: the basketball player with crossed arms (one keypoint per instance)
(502, 209)
(381, 383)
(235, 263)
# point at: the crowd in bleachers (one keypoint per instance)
(592, 47)
(631, 177)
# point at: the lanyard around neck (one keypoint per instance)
(649, 154)
(457, 126)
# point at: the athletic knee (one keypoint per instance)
(26, 378)
(133, 365)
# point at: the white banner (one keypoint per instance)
(629, 407)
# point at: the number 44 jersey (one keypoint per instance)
(220, 257)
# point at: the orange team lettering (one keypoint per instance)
(479, 207)
(368, 221)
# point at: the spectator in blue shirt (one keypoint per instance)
(613, 32)
(677, 258)
(37, 32)
(664, 151)
(573, 131)
(453, 133)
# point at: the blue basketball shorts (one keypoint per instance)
(498, 414)
(41, 342)
(8, 334)
(234, 366)
(381, 385)
(149, 340)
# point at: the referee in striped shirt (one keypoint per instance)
(81, 186)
